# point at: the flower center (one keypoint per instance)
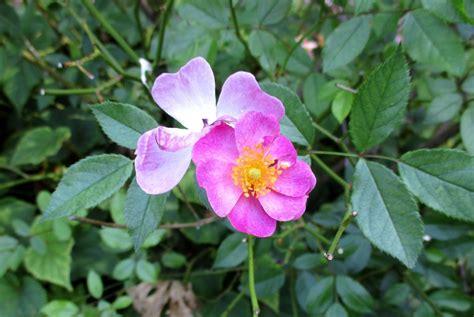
(255, 171)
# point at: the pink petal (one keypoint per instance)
(218, 144)
(253, 127)
(159, 171)
(249, 217)
(281, 207)
(188, 95)
(297, 180)
(216, 178)
(282, 149)
(241, 93)
(174, 139)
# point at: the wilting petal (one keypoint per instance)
(249, 217)
(188, 95)
(159, 171)
(253, 127)
(174, 139)
(218, 144)
(241, 93)
(216, 178)
(297, 180)
(281, 149)
(281, 207)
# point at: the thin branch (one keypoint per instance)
(345, 88)
(161, 36)
(195, 224)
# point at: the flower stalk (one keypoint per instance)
(253, 293)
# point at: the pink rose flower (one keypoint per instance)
(251, 174)
(164, 154)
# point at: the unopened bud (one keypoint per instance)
(328, 256)
(354, 213)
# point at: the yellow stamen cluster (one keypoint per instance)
(255, 171)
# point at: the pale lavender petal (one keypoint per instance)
(174, 139)
(249, 217)
(188, 95)
(218, 144)
(241, 93)
(159, 171)
(281, 207)
(216, 178)
(252, 129)
(281, 149)
(297, 180)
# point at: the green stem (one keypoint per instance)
(316, 234)
(81, 91)
(109, 28)
(253, 293)
(381, 157)
(237, 28)
(30, 179)
(330, 172)
(232, 304)
(422, 293)
(305, 35)
(161, 36)
(348, 216)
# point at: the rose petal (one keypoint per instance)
(159, 171)
(253, 127)
(281, 207)
(174, 139)
(218, 144)
(249, 217)
(241, 93)
(188, 95)
(216, 178)
(282, 149)
(297, 180)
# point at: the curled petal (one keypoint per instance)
(296, 181)
(281, 207)
(253, 128)
(158, 171)
(241, 93)
(188, 95)
(249, 217)
(174, 139)
(216, 178)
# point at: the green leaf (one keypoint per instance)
(123, 123)
(341, 105)
(122, 302)
(173, 260)
(397, 294)
(21, 299)
(354, 295)
(452, 299)
(428, 39)
(321, 296)
(444, 9)
(267, 12)
(313, 94)
(380, 103)
(336, 310)
(460, 6)
(443, 108)
(467, 129)
(54, 265)
(94, 284)
(363, 6)
(262, 45)
(308, 261)
(87, 183)
(143, 213)
(441, 179)
(387, 213)
(231, 252)
(123, 269)
(295, 110)
(115, 238)
(38, 144)
(146, 271)
(60, 308)
(269, 277)
(346, 43)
